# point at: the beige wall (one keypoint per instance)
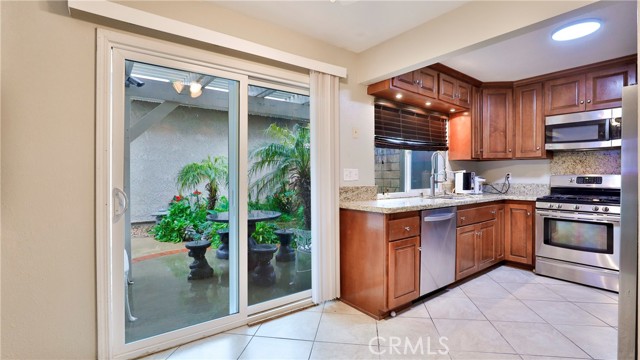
(47, 149)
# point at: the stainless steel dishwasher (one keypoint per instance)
(438, 249)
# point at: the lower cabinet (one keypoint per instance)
(479, 244)
(404, 271)
(519, 233)
(379, 260)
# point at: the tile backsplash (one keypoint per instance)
(586, 162)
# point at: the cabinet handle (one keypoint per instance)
(493, 211)
(407, 228)
(462, 218)
(581, 101)
(589, 101)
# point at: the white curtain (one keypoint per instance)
(325, 115)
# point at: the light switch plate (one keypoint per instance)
(350, 174)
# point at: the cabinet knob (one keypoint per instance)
(581, 101)
(509, 150)
(589, 101)
(462, 218)
(537, 147)
(407, 228)
(493, 211)
(528, 213)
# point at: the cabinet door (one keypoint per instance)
(464, 94)
(500, 233)
(519, 233)
(529, 122)
(497, 123)
(604, 88)
(427, 82)
(466, 260)
(564, 95)
(405, 82)
(404, 272)
(487, 236)
(448, 87)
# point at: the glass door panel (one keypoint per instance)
(279, 217)
(182, 260)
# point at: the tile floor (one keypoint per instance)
(507, 313)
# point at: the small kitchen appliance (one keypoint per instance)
(464, 182)
(578, 230)
(477, 184)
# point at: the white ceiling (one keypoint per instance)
(357, 25)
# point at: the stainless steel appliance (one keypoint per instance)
(628, 300)
(599, 129)
(438, 249)
(578, 230)
(464, 182)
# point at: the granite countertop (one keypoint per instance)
(390, 206)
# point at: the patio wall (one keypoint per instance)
(186, 135)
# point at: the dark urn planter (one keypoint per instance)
(200, 268)
(264, 273)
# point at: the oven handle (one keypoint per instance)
(581, 216)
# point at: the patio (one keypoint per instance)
(163, 299)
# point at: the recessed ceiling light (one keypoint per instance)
(398, 96)
(576, 30)
(452, 110)
(428, 103)
(466, 113)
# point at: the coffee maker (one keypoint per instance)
(464, 182)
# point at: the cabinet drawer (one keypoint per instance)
(476, 215)
(404, 228)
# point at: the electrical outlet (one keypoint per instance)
(508, 177)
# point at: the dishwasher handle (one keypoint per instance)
(436, 218)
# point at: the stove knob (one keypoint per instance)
(605, 209)
(577, 207)
(550, 206)
(559, 206)
(595, 208)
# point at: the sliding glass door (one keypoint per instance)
(208, 174)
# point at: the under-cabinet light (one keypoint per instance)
(398, 96)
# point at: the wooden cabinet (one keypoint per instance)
(478, 239)
(422, 81)
(379, 260)
(593, 90)
(454, 91)
(465, 130)
(529, 122)
(497, 123)
(519, 232)
(404, 271)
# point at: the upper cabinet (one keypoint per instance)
(422, 81)
(497, 123)
(427, 88)
(591, 90)
(454, 91)
(529, 121)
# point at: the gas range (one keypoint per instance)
(583, 193)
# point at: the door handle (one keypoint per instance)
(121, 204)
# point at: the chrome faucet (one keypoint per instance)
(435, 173)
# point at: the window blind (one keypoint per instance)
(400, 127)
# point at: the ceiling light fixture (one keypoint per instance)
(398, 96)
(195, 88)
(576, 30)
(178, 85)
(428, 103)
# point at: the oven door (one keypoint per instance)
(582, 238)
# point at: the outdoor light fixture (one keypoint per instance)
(178, 85)
(195, 89)
(576, 30)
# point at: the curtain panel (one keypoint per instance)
(325, 114)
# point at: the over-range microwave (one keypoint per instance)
(599, 129)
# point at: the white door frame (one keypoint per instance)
(112, 49)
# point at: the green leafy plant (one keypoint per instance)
(265, 234)
(183, 213)
(286, 160)
(212, 171)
